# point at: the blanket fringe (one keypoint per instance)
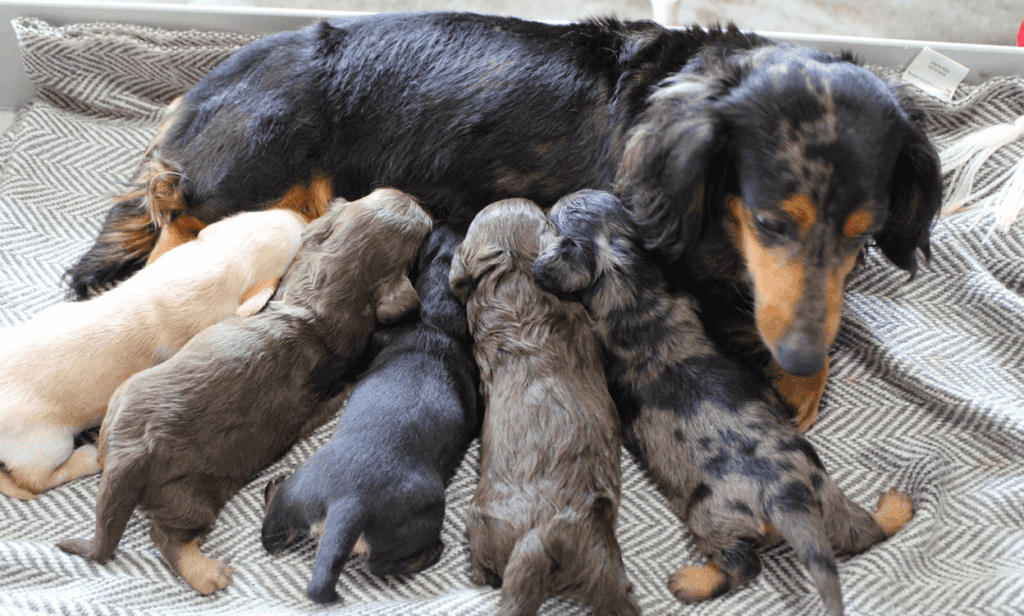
(964, 159)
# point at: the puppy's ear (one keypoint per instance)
(669, 163)
(257, 297)
(395, 298)
(563, 267)
(459, 277)
(915, 198)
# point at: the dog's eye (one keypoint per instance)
(772, 226)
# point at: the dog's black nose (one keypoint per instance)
(798, 360)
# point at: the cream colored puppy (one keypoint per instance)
(58, 371)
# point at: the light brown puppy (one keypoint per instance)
(542, 520)
(181, 438)
(58, 371)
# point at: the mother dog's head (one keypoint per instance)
(795, 159)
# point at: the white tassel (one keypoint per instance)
(965, 157)
(1008, 202)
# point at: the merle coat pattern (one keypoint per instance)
(712, 434)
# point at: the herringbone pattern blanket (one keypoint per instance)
(926, 393)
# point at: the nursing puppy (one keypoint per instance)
(542, 520)
(182, 437)
(712, 434)
(58, 371)
(403, 433)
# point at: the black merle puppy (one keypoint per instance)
(401, 436)
(711, 432)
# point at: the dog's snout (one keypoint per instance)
(799, 356)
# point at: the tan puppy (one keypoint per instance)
(542, 519)
(58, 371)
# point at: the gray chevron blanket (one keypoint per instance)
(926, 393)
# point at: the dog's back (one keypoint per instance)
(544, 513)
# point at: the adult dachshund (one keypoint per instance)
(758, 171)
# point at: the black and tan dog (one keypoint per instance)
(711, 432)
(542, 519)
(404, 430)
(182, 437)
(766, 169)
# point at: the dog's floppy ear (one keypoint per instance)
(563, 267)
(915, 198)
(394, 298)
(669, 161)
(255, 298)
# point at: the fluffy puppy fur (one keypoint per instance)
(711, 432)
(404, 430)
(765, 168)
(180, 438)
(542, 519)
(58, 371)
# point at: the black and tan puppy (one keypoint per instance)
(403, 432)
(711, 432)
(542, 519)
(765, 168)
(181, 438)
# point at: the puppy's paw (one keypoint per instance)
(204, 574)
(77, 547)
(895, 509)
(692, 584)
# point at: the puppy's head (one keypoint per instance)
(504, 236)
(278, 530)
(802, 158)
(371, 241)
(595, 242)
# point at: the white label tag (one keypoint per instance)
(935, 74)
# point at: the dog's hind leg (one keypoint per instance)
(181, 553)
(120, 489)
(410, 544)
(852, 529)
(527, 576)
(342, 527)
(732, 567)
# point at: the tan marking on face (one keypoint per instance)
(802, 209)
(834, 295)
(857, 223)
(778, 280)
(692, 583)
(803, 394)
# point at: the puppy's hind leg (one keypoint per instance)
(852, 529)
(527, 576)
(182, 555)
(120, 488)
(342, 527)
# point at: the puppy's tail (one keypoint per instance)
(124, 478)
(342, 526)
(805, 531)
(575, 557)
